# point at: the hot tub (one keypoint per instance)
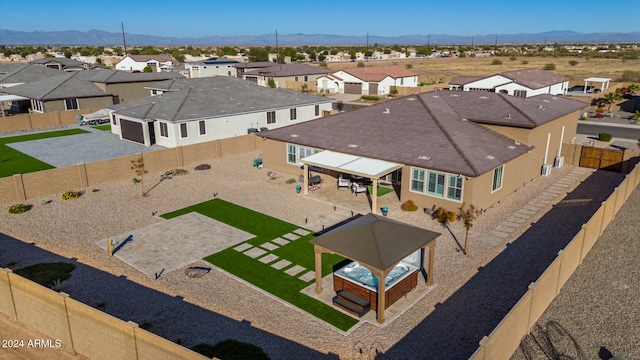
(359, 281)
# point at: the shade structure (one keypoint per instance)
(376, 242)
(351, 164)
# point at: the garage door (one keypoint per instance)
(132, 131)
(352, 88)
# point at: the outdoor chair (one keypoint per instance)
(342, 182)
(358, 188)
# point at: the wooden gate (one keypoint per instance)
(605, 159)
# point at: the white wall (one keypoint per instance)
(200, 70)
(487, 83)
(334, 86)
(128, 64)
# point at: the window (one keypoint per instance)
(454, 191)
(306, 78)
(36, 105)
(303, 152)
(164, 130)
(497, 178)
(292, 114)
(114, 119)
(417, 180)
(295, 78)
(291, 154)
(317, 109)
(203, 127)
(520, 93)
(271, 117)
(183, 130)
(71, 104)
(435, 183)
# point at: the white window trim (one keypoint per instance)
(166, 126)
(205, 127)
(37, 106)
(493, 178)
(275, 117)
(312, 151)
(77, 104)
(426, 185)
(293, 114)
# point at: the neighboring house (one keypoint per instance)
(63, 64)
(85, 89)
(245, 67)
(440, 148)
(281, 73)
(520, 83)
(373, 80)
(214, 66)
(209, 109)
(12, 75)
(137, 63)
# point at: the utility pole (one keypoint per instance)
(277, 48)
(124, 41)
(365, 55)
(495, 46)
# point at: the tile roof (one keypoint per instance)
(214, 97)
(157, 57)
(282, 70)
(462, 80)
(76, 84)
(435, 130)
(254, 65)
(26, 73)
(108, 76)
(378, 73)
(63, 61)
(534, 78)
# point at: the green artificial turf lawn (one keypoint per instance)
(46, 274)
(106, 127)
(14, 162)
(299, 252)
(381, 190)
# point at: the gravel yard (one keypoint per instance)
(471, 296)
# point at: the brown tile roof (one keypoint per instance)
(534, 78)
(282, 70)
(462, 80)
(435, 130)
(378, 73)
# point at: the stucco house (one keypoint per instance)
(158, 63)
(63, 64)
(207, 109)
(520, 83)
(214, 66)
(84, 89)
(373, 80)
(281, 73)
(440, 148)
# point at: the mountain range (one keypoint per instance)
(98, 37)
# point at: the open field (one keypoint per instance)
(444, 69)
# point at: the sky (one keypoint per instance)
(380, 18)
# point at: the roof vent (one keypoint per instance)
(490, 157)
(436, 96)
(545, 100)
(516, 142)
(455, 95)
(508, 116)
(294, 135)
(483, 97)
(387, 111)
(353, 146)
(540, 107)
(424, 157)
(464, 119)
(512, 147)
(411, 99)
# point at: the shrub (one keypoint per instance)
(549, 67)
(18, 208)
(290, 181)
(178, 172)
(409, 206)
(496, 62)
(70, 195)
(409, 66)
(604, 136)
(444, 216)
(370, 97)
(202, 167)
(600, 112)
(573, 62)
(513, 58)
(231, 349)
(360, 64)
(525, 62)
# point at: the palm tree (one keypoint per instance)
(612, 97)
(633, 88)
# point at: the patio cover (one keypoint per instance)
(351, 164)
(603, 81)
(377, 243)
(4, 98)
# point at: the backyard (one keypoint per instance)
(14, 162)
(297, 252)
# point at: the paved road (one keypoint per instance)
(631, 132)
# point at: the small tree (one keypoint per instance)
(147, 69)
(271, 83)
(393, 91)
(304, 87)
(496, 62)
(137, 165)
(612, 97)
(360, 64)
(467, 216)
(573, 62)
(549, 67)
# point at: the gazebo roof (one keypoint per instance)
(375, 241)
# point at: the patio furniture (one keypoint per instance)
(257, 163)
(315, 183)
(342, 182)
(358, 188)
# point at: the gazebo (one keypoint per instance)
(379, 244)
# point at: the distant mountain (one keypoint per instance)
(98, 37)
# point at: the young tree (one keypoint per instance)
(467, 216)
(611, 97)
(137, 165)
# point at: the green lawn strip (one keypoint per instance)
(14, 162)
(46, 274)
(106, 127)
(381, 190)
(279, 284)
(266, 228)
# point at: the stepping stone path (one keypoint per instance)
(308, 276)
(280, 241)
(242, 247)
(291, 236)
(268, 258)
(255, 252)
(281, 264)
(295, 270)
(269, 246)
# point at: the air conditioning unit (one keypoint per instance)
(546, 170)
(559, 162)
